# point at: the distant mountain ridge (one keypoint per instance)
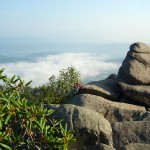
(28, 58)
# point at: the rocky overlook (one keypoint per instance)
(113, 113)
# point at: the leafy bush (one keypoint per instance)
(58, 90)
(25, 125)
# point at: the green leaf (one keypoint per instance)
(24, 102)
(15, 103)
(5, 146)
(1, 125)
(37, 123)
(15, 81)
(6, 80)
(28, 83)
(2, 70)
(46, 130)
(7, 119)
(66, 127)
(12, 79)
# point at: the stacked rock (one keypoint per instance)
(104, 116)
(134, 74)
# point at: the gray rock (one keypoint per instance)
(130, 132)
(138, 93)
(112, 111)
(135, 69)
(141, 57)
(99, 147)
(112, 76)
(107, 88)
(89, 127)
(105, 147)
(126, 99)
(137, 146)
(140, 48)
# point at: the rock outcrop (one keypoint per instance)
(134, 74)
(130, 132)
(137, 92)
(89, 127)
(105, 88)
(137, 146)
(135, 69)
(113, 113)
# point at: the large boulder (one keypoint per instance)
(135, 69)
(89, 127)
(134, 74)
(112, 111)
(125, 133)
(107, 88)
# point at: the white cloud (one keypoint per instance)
(91, 67)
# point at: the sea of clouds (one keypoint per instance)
(91, 67)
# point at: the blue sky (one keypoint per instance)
(92, 21)
(96, 32)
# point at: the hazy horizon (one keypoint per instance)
(36, 37)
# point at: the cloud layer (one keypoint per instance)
(91, 67)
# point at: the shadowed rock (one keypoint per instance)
(138, 93)
(130, 132)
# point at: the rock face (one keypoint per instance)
(105, 147)
(112, 113)
(135, 69)
(134, 74)
(106, 88)
(137, 146)
(131, 132)
(138, 93)
(89, 127)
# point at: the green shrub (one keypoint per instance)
(25, 125)
(58, 90)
